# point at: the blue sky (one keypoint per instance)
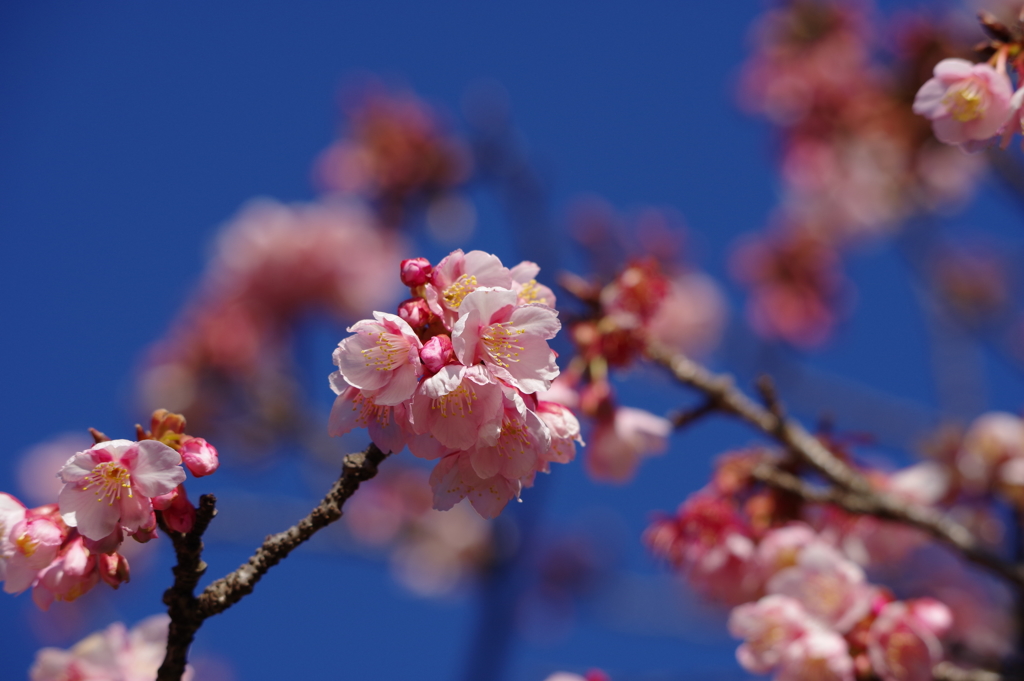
(130, 131)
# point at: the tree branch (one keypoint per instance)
(947, 671)
(188, 612)
(854, 493)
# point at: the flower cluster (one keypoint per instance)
(114, 654)
(795, 571)
(111, 490)
(456, 376)
(396, 151)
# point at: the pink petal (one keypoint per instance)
(157, 470)
(135, 510)
(929, 99)
(953, 69)
(344, 413)
(92, 515)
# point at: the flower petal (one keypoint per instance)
(157, 470)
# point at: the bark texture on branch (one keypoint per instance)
(852, 490)
(188, 612)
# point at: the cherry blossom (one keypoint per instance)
(617, 447)
(965, 102)
(112, 483)
(383, 356)
(768, 627)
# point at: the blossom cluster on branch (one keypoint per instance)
(458, 376)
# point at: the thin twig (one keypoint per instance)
(683, 418)
(853, 489)
(188, 612)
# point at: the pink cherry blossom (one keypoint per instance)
(991, 440)
(901, 647)
(965, 101)
(382, 356)
(111, 485)
(199, 456)
(12, 512)
(510, 340)
(36, 542)
(112, 654)
(355, 408)
(830, 587)
(781, 546)
(71, 575)
(617, 447)
(512, 446)
(454, 479)
(456, 404)
(416, 313)
(691, 317)
(458, 275)
(528, 289)
(768, 627)
(819, 655)
(178, 511)
(565, 432)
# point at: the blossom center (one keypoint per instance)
(109, 479)
(26, 545)
(458, 402)
(966, 103)
(385, 354)
(513, 440)
(370, 411)
(499, 340)
(530, 293)
(458, 290)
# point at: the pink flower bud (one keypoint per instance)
(147, 531)
(199, 456)
(178, 512)
(416, 312)
(108, 544)
(437, 353)
(416, 272)
(113, 569)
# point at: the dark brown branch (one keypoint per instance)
(853, 492)
(683, 418)
(188, 612)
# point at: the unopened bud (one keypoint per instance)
(178, 512)
(416, 272)
(437, 353)
(199, 456)
(113, 569)
(147, 531)
(167, 427)
(415, 312)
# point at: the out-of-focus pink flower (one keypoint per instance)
(71, 575)
(691, 316)
(12, 512)
(795, 285)
(965, 101)
(36, 541)
(111, 485)
(199, 456)
(819, 655)
(396, 150)
(901, 647)
(830, 587)
(617, 447)
(114, 654)
(992, 440)
(382, 356)
(768, 628)
(415, 272)
(710, 543)
(781, 546)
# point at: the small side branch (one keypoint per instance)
(188, 612)
(947, 671)
(852, 491)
